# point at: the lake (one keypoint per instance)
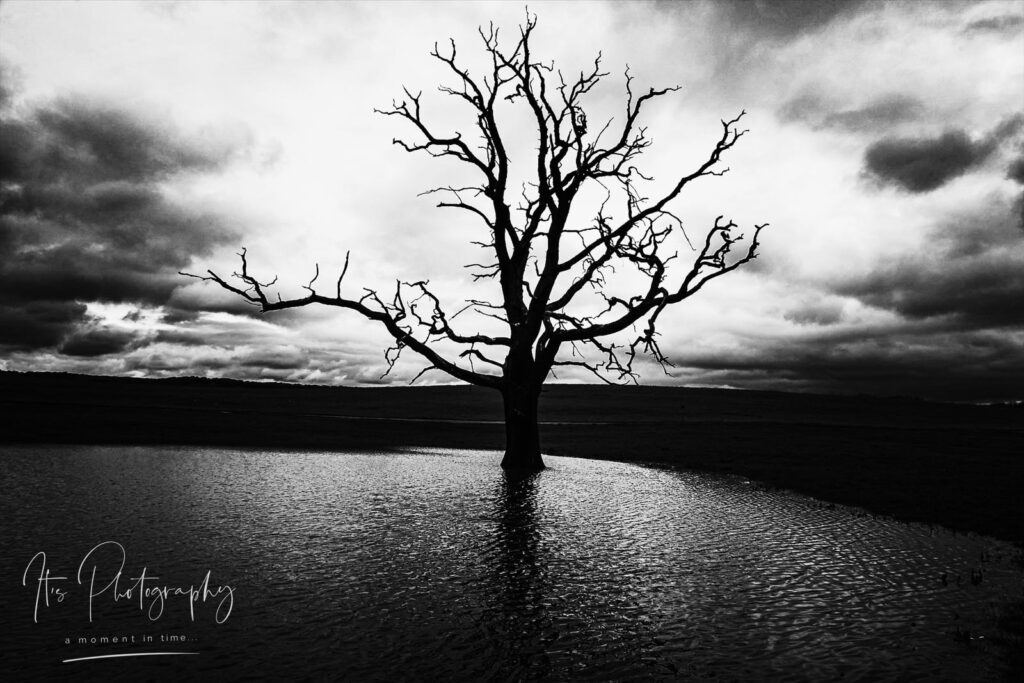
(436, 565)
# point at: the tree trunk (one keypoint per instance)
(522, 438)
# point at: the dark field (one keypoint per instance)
(960, 466)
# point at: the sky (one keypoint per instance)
(885, 150)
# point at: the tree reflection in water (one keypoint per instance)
(522, 590)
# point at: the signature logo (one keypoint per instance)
(102, 575)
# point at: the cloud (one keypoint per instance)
(787, 19)
(37, 324)
(878, 114)
(272, 359)
(927, 361)
(881, 113)
(1006, 23)
(984, 291)
(970, 272)
(816, 314)
(99, 342)
(77, 137)
(1016, 170)
(840, 301)
(282, 358)
(194, 296)
(86, 215)
(925, 164)
(6, 91)
(1006, 129)
(939, 319)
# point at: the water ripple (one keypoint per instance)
(432, 565)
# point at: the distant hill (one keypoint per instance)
(559, 402)
(958, 465)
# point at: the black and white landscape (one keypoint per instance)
(471, 341)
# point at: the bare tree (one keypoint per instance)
(556, 308)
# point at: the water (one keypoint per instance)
(436, 566)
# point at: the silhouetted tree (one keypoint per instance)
(552, 269)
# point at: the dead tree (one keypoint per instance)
(556, 307)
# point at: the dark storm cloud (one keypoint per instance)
(1007, 23)
(188, 302)
(182, 337)
(786, 19)
(1016, 170)
(879, 114)
(929, 362)
(74, 138)
(924, 164)
(173, 316)
(36, 324)
(91, 343)
(986, 291)
(972, 274)
(954, 327)
(84, 216)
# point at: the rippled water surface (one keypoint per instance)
(435, 565)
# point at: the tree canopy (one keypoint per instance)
(550, 266)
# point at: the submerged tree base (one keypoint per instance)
(522, 461)
(522, 428)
